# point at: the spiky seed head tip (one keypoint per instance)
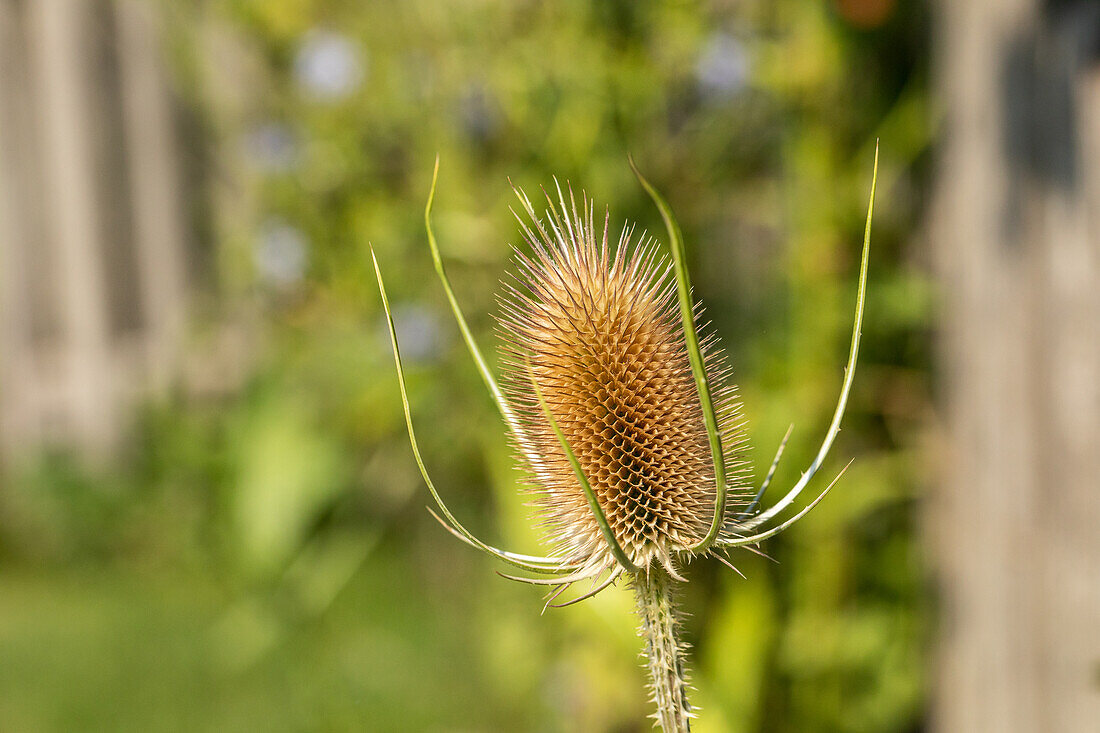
(596, 327)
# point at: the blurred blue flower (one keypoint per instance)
(418, 330)
(280, 254)
(723, 66)
(479, 114)
(329, 66)
(272, 147)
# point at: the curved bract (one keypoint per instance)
(846, 386)
(698, 370)
(592, 343)
(525, 562)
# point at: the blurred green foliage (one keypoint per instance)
(260, 559)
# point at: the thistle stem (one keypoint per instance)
(664, 652)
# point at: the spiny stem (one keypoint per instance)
(664, 652)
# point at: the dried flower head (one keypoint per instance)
(624, 417)
(595, 326)
(604, 384)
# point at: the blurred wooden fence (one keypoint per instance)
(92, 237)
(1017, 522)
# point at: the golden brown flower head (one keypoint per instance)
(597, 328)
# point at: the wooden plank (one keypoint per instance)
(155, 179)
(1015, 521)
(56, 45)
(14, 301)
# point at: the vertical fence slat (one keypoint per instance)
(155, 188)
(1015, 523)
(92, 232)
(16, 417)
(57, 47)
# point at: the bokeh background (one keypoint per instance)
(210, 519)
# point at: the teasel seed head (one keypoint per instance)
(593, 328)
(615, 406)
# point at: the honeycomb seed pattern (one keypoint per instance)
(599, 330)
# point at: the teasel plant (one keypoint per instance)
(624, 418)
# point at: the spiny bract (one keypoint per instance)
(597, 328)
